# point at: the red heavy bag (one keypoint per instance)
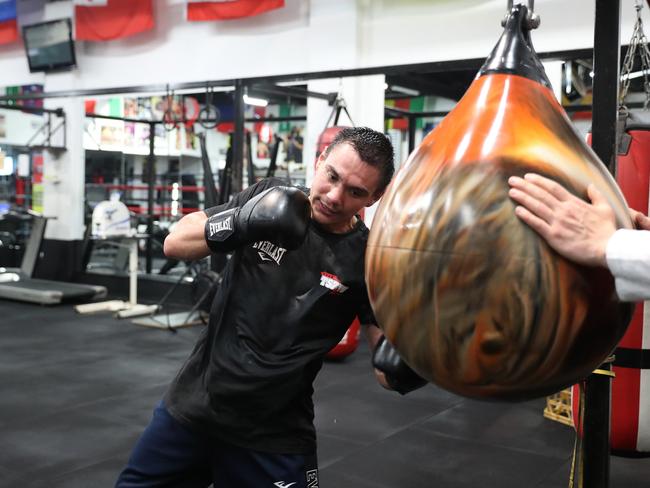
(348, 344)
(325, 139)
(630, 399)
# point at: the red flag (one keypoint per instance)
(229, 9)
(103, 20)
(8, 27)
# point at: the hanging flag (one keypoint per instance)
(229, 9)
(8, 27)
(104, 20)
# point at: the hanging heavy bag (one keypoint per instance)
(630, 391)
(630, 397)
(325, 139)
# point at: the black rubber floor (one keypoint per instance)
(76, 392)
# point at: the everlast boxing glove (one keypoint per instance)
(398, 375)
(280, 215)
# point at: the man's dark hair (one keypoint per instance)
(372, 146)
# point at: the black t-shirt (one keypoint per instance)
(275, 316)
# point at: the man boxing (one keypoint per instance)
(240, 412)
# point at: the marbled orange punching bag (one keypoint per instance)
(472, 298)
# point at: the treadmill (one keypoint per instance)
(18, 284)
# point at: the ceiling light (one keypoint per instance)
(258, 102)
(405, 91)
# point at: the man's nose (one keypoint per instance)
(335, 196)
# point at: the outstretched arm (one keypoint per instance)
(586, 232)
(373, 336)
(576, 229)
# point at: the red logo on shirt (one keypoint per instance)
(332, 282)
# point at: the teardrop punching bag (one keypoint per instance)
(472, 298)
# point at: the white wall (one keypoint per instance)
(420, 31)
(305, 36)
(63, 178)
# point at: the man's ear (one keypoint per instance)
(321, 157)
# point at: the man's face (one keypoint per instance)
(343, 184)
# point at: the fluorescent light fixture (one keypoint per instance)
(405, 91)
(258, 102)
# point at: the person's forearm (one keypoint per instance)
(187, 241)
(628, 258)
(373, 333)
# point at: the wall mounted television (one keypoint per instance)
(49, 45)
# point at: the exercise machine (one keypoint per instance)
(111, 220)
(18, 284)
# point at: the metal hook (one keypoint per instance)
(638, 6)
(532, 19)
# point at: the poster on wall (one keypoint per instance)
(111, 133)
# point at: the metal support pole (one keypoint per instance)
(605, 112)
(238, 137)
(412, 126)
(607, 48)
(151, 182)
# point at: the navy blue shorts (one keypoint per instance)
(170, 455)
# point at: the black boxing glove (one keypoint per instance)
(398, 375)
(280, 215)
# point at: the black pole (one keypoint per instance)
(274, 156)
(225, 178)
(412, 127)
(238, 138)
(211, 193)
(605, 110)
(250, 167)
(607, 48)
(151, 182)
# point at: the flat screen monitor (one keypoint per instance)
(49, 45)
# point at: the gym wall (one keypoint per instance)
(305, 36)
